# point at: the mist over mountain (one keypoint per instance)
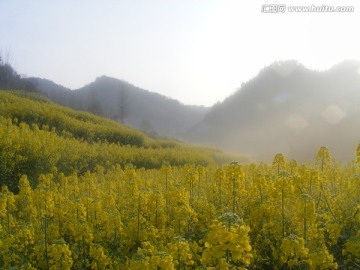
(290, 109)
(287, 108)
(153, 113)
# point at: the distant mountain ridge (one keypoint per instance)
(290, 109)
(153, 113)
(286, 108)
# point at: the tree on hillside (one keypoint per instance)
(95, 105)
(123, 106)
(9, 79)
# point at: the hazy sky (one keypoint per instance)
(197, 51)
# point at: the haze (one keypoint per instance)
(198, 52)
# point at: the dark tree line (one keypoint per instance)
(9, 79)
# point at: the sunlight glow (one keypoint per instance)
(198, 52)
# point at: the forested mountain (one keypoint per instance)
(290, 109)
(153, 113)
(286, 108)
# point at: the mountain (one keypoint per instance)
(290, 109)
(10, 79)
(151, 112)
(286, 108)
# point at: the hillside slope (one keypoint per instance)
(37, 136)
(118, 100)
(290, 109)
